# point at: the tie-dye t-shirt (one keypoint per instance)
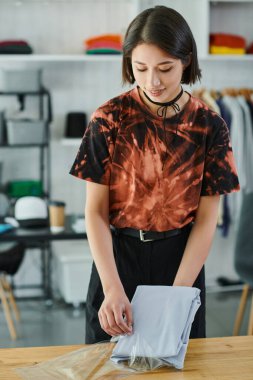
(156, 169)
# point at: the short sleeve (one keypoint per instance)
(93, 160)
(220, 174)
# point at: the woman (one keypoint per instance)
(155, 160)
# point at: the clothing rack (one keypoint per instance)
(230, 91)
(235, 106)
(237, 103)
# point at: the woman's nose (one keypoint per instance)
(154, 79)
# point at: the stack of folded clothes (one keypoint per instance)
(104, 44)
(15, 47)
(221, 43)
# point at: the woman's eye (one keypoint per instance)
(161, 71)
(166, 71)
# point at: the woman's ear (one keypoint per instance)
(188, 61)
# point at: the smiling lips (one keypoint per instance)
(156, 93)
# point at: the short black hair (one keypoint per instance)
(167, 29)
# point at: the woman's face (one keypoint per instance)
(156, 72)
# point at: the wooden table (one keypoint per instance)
(229, 358)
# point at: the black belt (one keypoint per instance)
(149, 235)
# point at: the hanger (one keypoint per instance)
(246, 92)
(230, 91)
(215, 94)
(198, 92)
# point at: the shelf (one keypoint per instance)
(43, 195)
(23, 145)
(56, 58)
(60, 58)
(16, 93)
(226, 57)
(71, 141)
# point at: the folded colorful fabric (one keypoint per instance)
(15, 47)
(226, 50)
(228, 40)
(13, 42)
(104, 44)
(16, 50)
(163, 316)
(250, 49)
(105, 37)
(5, 228)
(103, 51)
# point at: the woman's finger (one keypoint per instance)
(129, 317)
(113, 325)
(105, 324)
(121, 322)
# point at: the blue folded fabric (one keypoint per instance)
(5, 228)
(163, 317)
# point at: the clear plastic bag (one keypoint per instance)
(91, 362)
(145, 362)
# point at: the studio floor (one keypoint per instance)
(60, 324)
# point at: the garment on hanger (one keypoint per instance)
(210, 101)
(224, 208)
(236, 108)
(248, 143)
(238, 143)
(250, 105)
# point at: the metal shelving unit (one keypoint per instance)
(45, 113)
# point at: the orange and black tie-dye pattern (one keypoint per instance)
(151, 187)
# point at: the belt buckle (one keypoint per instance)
(142, 237)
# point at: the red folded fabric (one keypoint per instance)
(13, 42)
(105, 37)
(250, 49)
(101, 44)
(229, 40)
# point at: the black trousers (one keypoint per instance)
(142, 263)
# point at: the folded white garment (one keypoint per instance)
(162, 317)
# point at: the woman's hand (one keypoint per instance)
(115, 313)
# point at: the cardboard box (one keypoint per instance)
(25, 131)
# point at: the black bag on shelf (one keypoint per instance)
(75, 124)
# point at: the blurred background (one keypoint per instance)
(60, 60)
